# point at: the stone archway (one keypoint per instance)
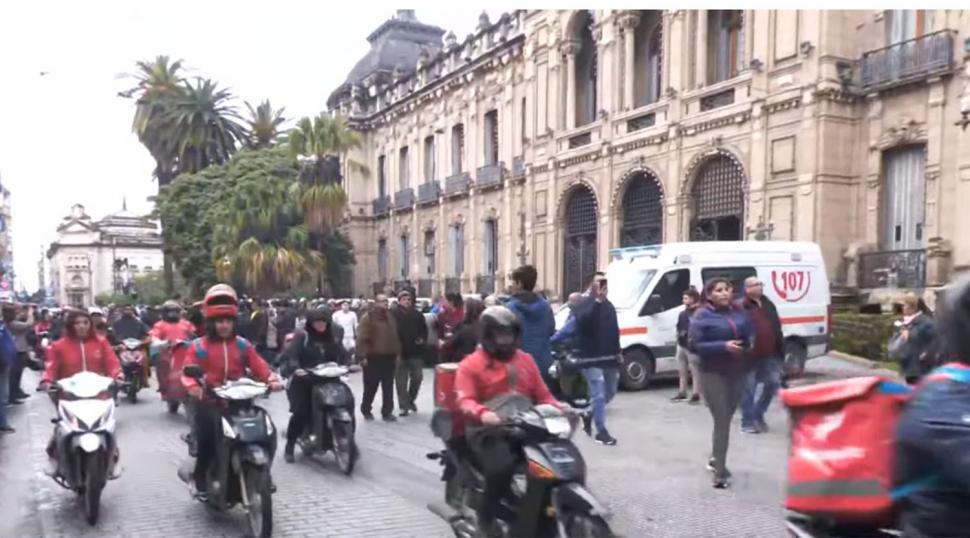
(641, 209)
(580, 234)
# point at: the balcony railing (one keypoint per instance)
(425, 287)
(892, 269)
(404, 199)
(490, 176)
(457, 184)
(485, 285)
(378, 287)
(401, 285)
(382, 204)
(908, 61)
(518, 166)
(453, 285)
(429, 192)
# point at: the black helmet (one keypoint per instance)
(953, 328)
(501, 332)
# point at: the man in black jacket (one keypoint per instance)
(766, 354)
(413, 332)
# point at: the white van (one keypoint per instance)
(646, 285)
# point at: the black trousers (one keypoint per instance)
(16, 374)
(207, 419)
(497, 457)
(379, 371)
(300, 396)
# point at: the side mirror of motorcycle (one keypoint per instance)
(193, 370)
(654, 305)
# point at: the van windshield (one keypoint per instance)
(627, 285)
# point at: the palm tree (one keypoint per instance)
(319, 145)
(202, 126)
(264, 123)
(158, 83)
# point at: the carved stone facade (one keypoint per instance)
(802, 108)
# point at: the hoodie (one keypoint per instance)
(538, 326)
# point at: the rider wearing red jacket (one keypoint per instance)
(167, 332)
(223, 357)
(80, 350)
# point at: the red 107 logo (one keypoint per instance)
(791, 286)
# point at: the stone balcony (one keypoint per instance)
(381, 205)
(404, 199)
(490, 176)
(429, 193)
(908, 61)
(457, 185)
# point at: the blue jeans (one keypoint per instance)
(602, 388)
(767, 372)
(4, 393)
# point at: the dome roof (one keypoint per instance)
(395, 44)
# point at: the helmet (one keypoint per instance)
(501, 331)
(220, 302)
(95, 311)
(171, 305)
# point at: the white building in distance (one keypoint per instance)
(91, 258)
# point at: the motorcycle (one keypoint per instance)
(245, 446)
(547, 496)
(801, 525)
(168, 357)
(132, 355)
(84, 438)
(573, 388)
(332, 416)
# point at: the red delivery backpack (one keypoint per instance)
(446, 419)
(843, 447)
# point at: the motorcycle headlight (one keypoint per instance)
(559, 426)
(227, 430)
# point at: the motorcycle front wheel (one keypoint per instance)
(173, 406)
(580, 525)
(344, 446)
(93, 484)
(259, 513)
(133, 388)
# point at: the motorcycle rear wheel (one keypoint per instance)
(173, 406)
(586, 526)
(93, 484)
(259, 514)
(344, 446)
(133, 388)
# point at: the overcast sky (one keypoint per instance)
(65, 136)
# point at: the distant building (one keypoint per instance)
(90, 258)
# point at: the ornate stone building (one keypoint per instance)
(550, 137)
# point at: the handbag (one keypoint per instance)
(897, 346)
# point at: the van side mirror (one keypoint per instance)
(654, 305)
(193, 370)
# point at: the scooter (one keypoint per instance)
(132, 356)
(332, 416)
(84, 438)
(547, 497)
(168, 358)
(245, 446)
(801, 525)
(573, 388)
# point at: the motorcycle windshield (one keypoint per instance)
(85, 384)
(243, 389)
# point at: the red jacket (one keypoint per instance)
(225, 361)
(180, 330)
(68, 356)
(480, 379)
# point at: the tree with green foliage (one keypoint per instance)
(264, 124)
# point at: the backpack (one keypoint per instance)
(840, 466)
(241, 343)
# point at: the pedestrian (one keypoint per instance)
(932, 467)
(19, 322)
(536, 319)
(413, 332)
(347, 319)
(688, 363)
(452, 314)
(468, 334)
(8, 355)
(766, 356)
(911, 345)
(598, 336)
(720, 333)
(285, 323)
(380, 347)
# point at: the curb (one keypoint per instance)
(858, 361)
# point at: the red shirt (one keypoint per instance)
(224, 362)
(180, 330)
(68, 356)
(480, 379)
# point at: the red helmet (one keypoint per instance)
(220, 302)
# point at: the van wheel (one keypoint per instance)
(795, 357)
(637, 369)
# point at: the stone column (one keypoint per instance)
(629, 23)
(570, 49)
(700, 48)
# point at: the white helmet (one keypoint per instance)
(95, 311)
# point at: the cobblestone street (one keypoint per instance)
(654, 480)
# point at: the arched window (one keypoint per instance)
(648, 58)
(579, 254)
(642, 211)
(718, 196)
(586, 69)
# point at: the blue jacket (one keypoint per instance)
(8, 347)
(711, 329)
(932, 468)
(597, 330)
(538, 325)
(566, 333)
